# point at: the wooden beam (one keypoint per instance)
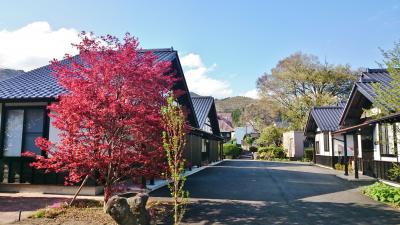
(355, 141)
(346, 160)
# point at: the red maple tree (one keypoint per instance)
(109, 119)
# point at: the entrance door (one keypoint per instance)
(367, 145)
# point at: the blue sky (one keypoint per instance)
(226, 45)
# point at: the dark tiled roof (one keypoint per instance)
(202, 106)
(327, 117)
(371, 76)
(39, 83)
(365, 86)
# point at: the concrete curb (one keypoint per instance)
(363, 179)
(161, 183)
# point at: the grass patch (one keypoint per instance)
(383, 193)
(57, 209)
(48, 212)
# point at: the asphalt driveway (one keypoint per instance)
(256, 192)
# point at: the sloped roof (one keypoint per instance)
(202, 106)
(368, 78)
(225, 122)
(40, 84)
(326, 118)
(364, 86)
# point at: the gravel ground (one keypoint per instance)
(92, 216)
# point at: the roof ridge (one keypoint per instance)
(377, 70)
(327, 107)
(201, 96)
(157, 49)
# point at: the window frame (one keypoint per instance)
(384, 143)
(326, 142)
(45, 129)
(317, 148)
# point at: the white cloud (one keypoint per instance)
(251, 94)
(34, 45)
(198, 78)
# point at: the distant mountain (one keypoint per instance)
(7, 73)
(233, 103)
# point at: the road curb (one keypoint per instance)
(161, 183)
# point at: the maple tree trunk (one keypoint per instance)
(79, 189)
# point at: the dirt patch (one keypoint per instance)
(95, 215)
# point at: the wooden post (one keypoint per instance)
(355, 140)
(333, 150)
(314, 153)
(346, 160)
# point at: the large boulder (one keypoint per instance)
(129, 211)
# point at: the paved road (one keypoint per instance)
(255, 192)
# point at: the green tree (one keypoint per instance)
(270, 136)
(236, 117)
(301, 81)
(174, 142)
(388, 97)
(259, 114)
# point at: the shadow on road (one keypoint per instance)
(210, 212)
(259, 181)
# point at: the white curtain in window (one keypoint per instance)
(13, 132)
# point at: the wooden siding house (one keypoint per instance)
(355, 136)
(24, 117)
(208, 140)
(376, 148)
(321, 123)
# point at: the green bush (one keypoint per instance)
(262, 149)
(278, 152)
(253, 149)
(384, 193)
(232, 150)
(394, 172)
(308, 154)
(270, 153)
(339, 166)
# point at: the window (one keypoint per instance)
(340, 150)
(207, 126)
(317, 147)
(326, 142)
(22, 127)
(203, 145)
(387, 139)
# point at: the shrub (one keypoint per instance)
(232, 150)
(278, 152)
(339, 166)
(249, 140)
(384, 193)
(263, 149)
(253, 149)
(269, 153)
(394, 172)
(308, 154)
